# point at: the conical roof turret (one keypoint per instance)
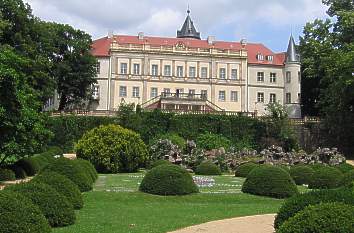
(188, 30)
(291, 54)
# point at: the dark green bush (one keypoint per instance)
(325, 217)
(20, 215)
(160, 162)
(348, 178)
(112, 149)
(174, 138)
(301, 174)
(244, 169)
(91, 170)
(269, 181)
(62, 185)
(73, 171)
(208, 168)
(19, 171)
(55, 207)
(209, 141)
(297, 203)
(30, 166)
(7, 174)
(317, 166)
(345, 167)
(326, 178)
(168, 180)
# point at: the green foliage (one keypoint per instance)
(7, 174)
(55, 207)
(208, 168)
(326, 178)
(325, 217)
(301, 174)
(20, 215)
(168, 180)
(30, 166)
(73, 171)
(317, 166)
(174, 138)
(86, 165)
(112, 149)
(348, 178)
(209, 141)
(19, 171)
(160, 162)
(345, 167)
(297, 203)
(244, 169)
(63, 186)
(269, 181)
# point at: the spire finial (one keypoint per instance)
(188, 10)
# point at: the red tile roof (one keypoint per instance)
(101, 46)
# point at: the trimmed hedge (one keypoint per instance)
(325, 217)
(348, 178)
(7, 174)
(168, 180)
(160, 162)
(269, 181)
(20, 215)
(73, 171)
(301, 174)
(112, 149)
(208, 168)
(55, 207)
(62, 185)
(19, 171)
(296, 203)
(244, 169)
(345, 167)
(209, 141)
(91, 170)
(326, 178)
(30, 166)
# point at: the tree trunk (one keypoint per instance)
(62, 103)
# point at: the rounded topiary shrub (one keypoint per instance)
(19, 171)
(209, 141)
(208, 168)
(7, 174)
(325, 217)
(62, 185)
(20, 215)
(345, 167)
(90, 169)
(298, 202)
(112, 148)
(30, 166)
(348, 179)
(269, 181)
(168, 180)
(160, 162)
(301, 174)
(326, 178)
(244, 169)
(55, 207)
(73, 171)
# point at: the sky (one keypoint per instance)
(260, 21)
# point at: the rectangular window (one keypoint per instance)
(299, 76)
(122, 91)
(95, 92)
(222, 96)
(260, 76)
(288, 77)
(191, 92)
(167, 90)
(192, 72)
(288, 98)
(98, 67)
(179, 91)
(260, 97)
(154, 70)
(180, 71)
(123, 68)
(204, 72)
(222, 73)
(204, 94)
(234, 96)
(272, 98)
(136, 92)
(136, 69)
(273, 77)
(153, 93)
(167, 70)
(234, 74)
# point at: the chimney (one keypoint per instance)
(243, 42)
(141, 35)
(211, 40)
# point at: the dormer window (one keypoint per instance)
(270, 58)
(260, 57)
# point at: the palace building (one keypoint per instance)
(188, 73)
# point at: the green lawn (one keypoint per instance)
(115, 205)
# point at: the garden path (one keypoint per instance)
(351, 162)
(249, 224)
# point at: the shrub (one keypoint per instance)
(348, 178)
(89, 167)
(208, 168)
(30, 166)
(326, 177)
(174, 138)
(269, 181)
(73, 171)
(20, 215)
(168, 180)
(7, 174)
(317, 166)
(345, 167)
(112, 148)
(55, 207)
(325, 217)
(62, 185)
(209, 141)
(244, 169)
(297, 203)
(19, 171)
(301, 174)
(160, 162)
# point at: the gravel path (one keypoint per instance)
(250, 224)
(350, 162)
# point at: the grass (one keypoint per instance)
(115, 205)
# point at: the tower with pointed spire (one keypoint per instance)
(188, 30)
(291, 54)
